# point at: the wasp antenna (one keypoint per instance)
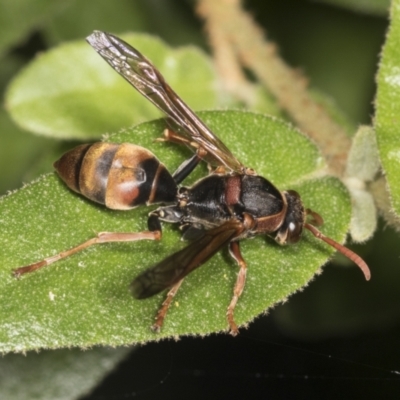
(344, 250)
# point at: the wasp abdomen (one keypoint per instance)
(121, 176)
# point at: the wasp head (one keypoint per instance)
(292, 226)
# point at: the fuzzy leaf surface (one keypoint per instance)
(387, 107)
(84, 300)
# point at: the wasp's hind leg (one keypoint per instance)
(170, 136)
(189, 165)
(154, 233)
(162, 312)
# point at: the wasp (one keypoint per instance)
(232, 203)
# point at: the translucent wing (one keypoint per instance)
(176, 266)
(144, 77)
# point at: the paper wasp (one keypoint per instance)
(230, 204)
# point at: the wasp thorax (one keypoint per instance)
(121, 176)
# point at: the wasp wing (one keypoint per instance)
(176, 266)
(144, 77)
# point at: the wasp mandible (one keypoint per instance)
(230, 204)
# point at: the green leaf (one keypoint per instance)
(387, 107)
(55, 375)
(362, 167)
(70, 92)
(364, 218)
(84, 300)
(363, 161)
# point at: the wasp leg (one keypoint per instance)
(154, 233)
(188, 166)
(162, 312)
(173, 137)
(220, 170)
(234, 251)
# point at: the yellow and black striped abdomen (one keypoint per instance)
(121, 176)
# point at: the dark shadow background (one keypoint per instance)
(261, 363)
